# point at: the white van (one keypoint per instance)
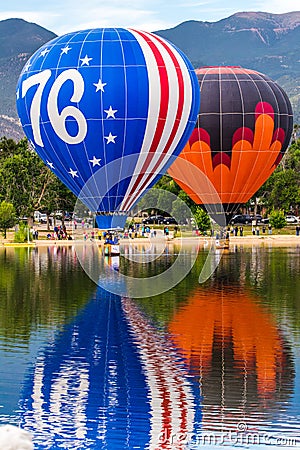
(36, 216)
(40, 217)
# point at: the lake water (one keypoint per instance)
(197, 366)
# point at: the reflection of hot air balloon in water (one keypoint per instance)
(243, 129)
(89, 98)
(237, 351)
(175, 411)
(107, 381)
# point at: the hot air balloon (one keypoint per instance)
(92, 97)
(243, 129)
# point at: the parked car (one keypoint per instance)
(153, 220)
(40, 217)
(266, 220)
(43, 218)
(291, 219)
(241, 219)
(257, 218)
(169, 221)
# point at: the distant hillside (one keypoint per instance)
(261, 41)
(18, 41)
(265, 42)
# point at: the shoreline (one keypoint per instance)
(274, 239)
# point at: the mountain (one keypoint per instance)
(261, 41)
(18, 41)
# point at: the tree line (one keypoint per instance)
(28, 185)
(279, 195)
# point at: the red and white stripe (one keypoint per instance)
(171, 399)
(170, 101)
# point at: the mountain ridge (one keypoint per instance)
(262, 41)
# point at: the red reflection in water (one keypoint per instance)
(171, 399)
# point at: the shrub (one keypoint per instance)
(22, 234)
(7, 216)
(277, 219)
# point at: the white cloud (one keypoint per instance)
(279, 6)
(39, 17)
(111, 16)
(71, 15)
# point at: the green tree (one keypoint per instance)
(167, 183)
(277, 219)
(202, 219)
(22, 234)
(7, 217)
(164, 203)
(285, 193)
(187, 200)
(57, 197)
(27, 183)
(291, 159)
(149, 201)
(24, 179)
(179, 210)
(8, 147)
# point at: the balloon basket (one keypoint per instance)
(222, 244)
(111, 249)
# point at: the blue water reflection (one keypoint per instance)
(81, 391)
(107, 380)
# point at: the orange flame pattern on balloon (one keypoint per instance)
(254, 157)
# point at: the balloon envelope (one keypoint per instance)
(91, 97)
(243, 129)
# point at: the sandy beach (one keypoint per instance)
(279, 240)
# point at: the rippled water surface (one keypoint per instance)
(198, 366)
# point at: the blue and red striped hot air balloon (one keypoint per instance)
(90, 98)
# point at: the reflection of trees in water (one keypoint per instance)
(147, 260)
(275, 275)
(39, 286)
(234, 346)
(162, 307)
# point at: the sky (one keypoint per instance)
(63, 16)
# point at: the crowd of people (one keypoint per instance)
(60, 232)
(137, 230)
(256, 230)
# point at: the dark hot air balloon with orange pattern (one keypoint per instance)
(243, 129)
